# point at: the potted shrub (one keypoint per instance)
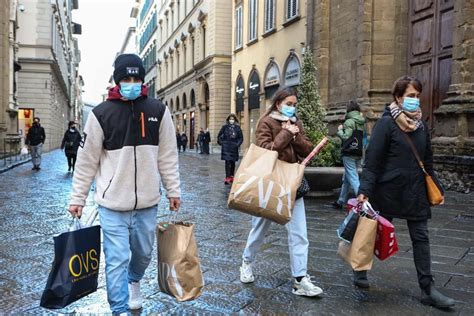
(324, 173)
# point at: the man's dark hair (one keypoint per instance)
(36, 118)
(71, 123)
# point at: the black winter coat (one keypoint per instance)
(391, 177)
(71, 141)
(230, 138)
(36, 135)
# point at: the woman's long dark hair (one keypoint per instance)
(280, 95)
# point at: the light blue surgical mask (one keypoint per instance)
(130, 91)
(288, 111)
(411, 104)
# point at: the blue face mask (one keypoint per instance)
(288, 111)
(130, 91)
(411, 104)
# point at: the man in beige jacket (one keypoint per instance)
(129, 147)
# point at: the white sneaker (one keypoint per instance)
(135, 296)
(246, 274)
(306, 288)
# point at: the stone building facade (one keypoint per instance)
(268, 40)
(9, 140)
(361, 47)
(193, 61)
(48, 83)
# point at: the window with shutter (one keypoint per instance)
(291, 9)
(269, 15)
(238, 27)
(252, 20)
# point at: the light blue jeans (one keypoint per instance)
(36, 152)
(128, 246)
(349, 179)
(297, 239)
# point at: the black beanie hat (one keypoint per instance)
(128, 65)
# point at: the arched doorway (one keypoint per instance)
(205, 106)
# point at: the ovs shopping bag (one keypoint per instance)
(179, 269)
(75, 267)
(265, 186)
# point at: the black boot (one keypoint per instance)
(431, 296)
(360, 279)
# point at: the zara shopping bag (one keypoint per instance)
(75, 267)
(179, 269)
(265, 186)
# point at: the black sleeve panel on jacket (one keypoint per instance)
(43, 135)
(375, 155)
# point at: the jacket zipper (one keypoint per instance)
(134, 155)
(110, 182)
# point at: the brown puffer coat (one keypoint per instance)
(270, 135)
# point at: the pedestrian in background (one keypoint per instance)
(206, 141)
(178, 141)
(351, 157)
(200, 140)
(70, 144)
(129, 148)
(184, 141)
(35, 140)
(280, 130)
(395, 184)
(230, 138)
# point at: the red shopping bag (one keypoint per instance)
(385, 241)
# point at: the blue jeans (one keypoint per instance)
(297, 239)
(349, 179)
(128, 245)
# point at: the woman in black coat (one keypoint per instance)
(70, 144)
(395, 184)
(230, 138)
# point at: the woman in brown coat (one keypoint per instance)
(280, 130)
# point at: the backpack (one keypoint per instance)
(353, 146)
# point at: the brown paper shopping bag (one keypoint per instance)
(179, 270)
(265, 186)
(360, 253)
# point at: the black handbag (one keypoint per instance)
(354, 144)
(303, 189)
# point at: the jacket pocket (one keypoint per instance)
(108, 186)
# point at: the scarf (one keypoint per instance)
(406, 121)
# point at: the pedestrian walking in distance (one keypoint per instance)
(354, 122)
(35, 140)
(395, 184)
(184, 141)
(178, 140)
(200, 141)
(206, 141)
(230, 138)
(129, 148)
(70, 144)
(280, 130)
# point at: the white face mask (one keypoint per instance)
(231, 121)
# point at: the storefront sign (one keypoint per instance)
(273, 76)
(254, 91)
(292, 72)
(239, 95)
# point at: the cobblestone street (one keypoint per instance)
(33, 209)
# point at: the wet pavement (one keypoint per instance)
(33, 209)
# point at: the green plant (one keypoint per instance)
(312, 114)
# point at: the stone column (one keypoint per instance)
(453, 141)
